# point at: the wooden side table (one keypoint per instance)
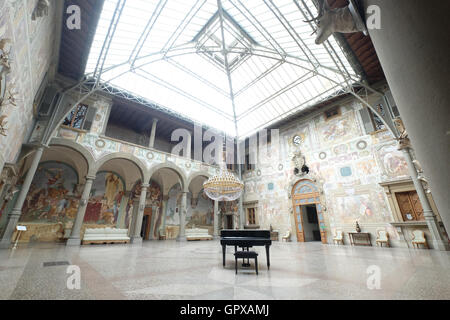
(361, 236)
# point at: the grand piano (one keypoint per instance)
(245, 239)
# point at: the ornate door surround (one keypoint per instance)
(305, 192)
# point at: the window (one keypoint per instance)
(248, 165)
(377, 123)
(81, 117)
(333, 112)
(392, 104)
(76, 117)
(373, 123)
(251, 216)
(230, 166)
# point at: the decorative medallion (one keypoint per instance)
(280, 167)
(150, 155)
(100, 144)
(361, 145)
(188, 165)
(346, 172)
(322, 155)
(258, 173)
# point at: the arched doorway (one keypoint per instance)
(306, 201)
(165, 215)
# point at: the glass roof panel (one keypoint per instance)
(171, 53)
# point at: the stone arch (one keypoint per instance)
(54, 154)
(75, 146)
(173, 167)
(196, 174)
(122, 156)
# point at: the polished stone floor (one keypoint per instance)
(193, 270)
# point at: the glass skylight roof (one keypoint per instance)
(171, 52)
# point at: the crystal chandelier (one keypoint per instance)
(224, 186)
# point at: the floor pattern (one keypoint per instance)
(193, 270)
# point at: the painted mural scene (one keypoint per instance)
(222, 150)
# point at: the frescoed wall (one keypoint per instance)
(32, 45)
(51, 204)
(173, 206)
(52, 196)
(154, 200)
(348, 164)
(200, 211)
(105, 200)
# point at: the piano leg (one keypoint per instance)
(223, 254)
(268, 257)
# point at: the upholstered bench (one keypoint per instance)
(197, 234)
(246, 255)
(105, 235)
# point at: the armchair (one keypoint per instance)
(287, 236)
(419, 239)
(382, 237)
(338, 237)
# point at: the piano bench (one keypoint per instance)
(246, 255)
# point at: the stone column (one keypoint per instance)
(136, 237)
(15, 214)
(183, 209)
(438, 238)
(413, 49)
(133, 217)
(162, 229)
(74, 239)
(216, 219)
(153, 134)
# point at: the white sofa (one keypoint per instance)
(197, 234)
(105, 235)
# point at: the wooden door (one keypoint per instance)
(410, 206)
(323, 232)
(148, 221)
(417, 206)
(299, 223)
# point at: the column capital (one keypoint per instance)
(145, 185)
(91, 177)
(15, 213)
(155, 120)
(403, 145)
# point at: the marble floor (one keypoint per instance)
(193, 270)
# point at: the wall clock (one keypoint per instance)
(297, 140)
